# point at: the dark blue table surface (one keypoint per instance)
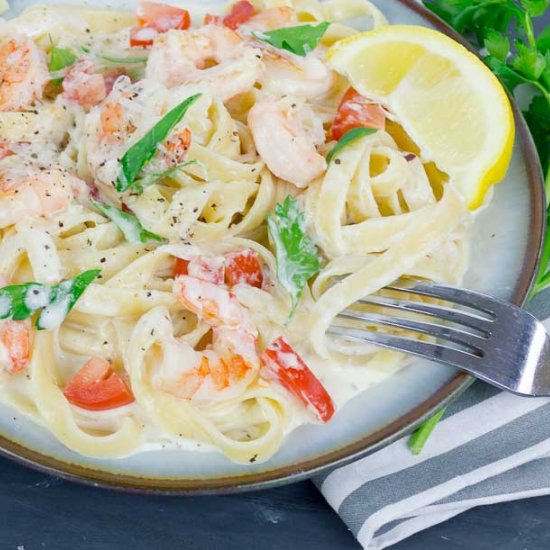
(40, 512)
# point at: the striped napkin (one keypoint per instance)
(490, 447)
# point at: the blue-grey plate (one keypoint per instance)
(504, 256)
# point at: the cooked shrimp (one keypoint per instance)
(26, 192)
(213, 304)
(286, 136)
(272, 18)
(112, 127)
(23, 73)
(83, 85)
(15, 342)
(287, 74)
(214, 56)
(230, 362)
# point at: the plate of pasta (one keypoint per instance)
(191, 192)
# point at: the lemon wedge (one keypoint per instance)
(444, 97)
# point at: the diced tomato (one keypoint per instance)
(240, 13)
(244, 267)
(205, 268)
(355, 111)
(181, 267)
(97, 387)
(282, 363)
(142, 36)
(154, 18)
(83, 85)
(177, 147)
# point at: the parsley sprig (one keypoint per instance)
(297, 256)
(488, 24)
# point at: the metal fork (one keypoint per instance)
(493, 340)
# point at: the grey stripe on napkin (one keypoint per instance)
(489, 447)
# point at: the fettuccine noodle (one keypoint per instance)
(183, 349)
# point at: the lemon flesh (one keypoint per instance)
(445, 98)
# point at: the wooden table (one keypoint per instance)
(40, 512)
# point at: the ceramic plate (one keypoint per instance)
(504, 257)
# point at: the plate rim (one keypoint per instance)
(344, 455)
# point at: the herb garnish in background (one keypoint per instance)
(523, 62)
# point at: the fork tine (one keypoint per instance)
(460, 317)
(469, 298)
(426, 350)
(439, 331)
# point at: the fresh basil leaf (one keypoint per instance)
(296, 254)
(63, 297)
(150, 178)
(349, 137)
(419, 438)
(19, 302)
(535, 8)
(497, 44)
(122, 60)
(129, 224)
(60, 58)
(299, 40)
(529, 61)
(144, 150)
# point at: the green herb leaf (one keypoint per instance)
(497, 44)
(535, 8)
(150, 178)
(144, 150)
(529, 61)
(419, 438)
(60, 58)
(543, 40)
(19, 302)
(299, 40)
(509, 76)
(122, 60)
(349, 137)
(129, 224)
(297, 256)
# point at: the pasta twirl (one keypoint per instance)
(215, 267)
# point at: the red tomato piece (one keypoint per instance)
(154, 18)
(240, 13)
(162, 17)
(97, 387)
(205, 268)
(142, 36)
(181, 267)
(282, 363)
(355, 111)
(244, 267)
(83, 85)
